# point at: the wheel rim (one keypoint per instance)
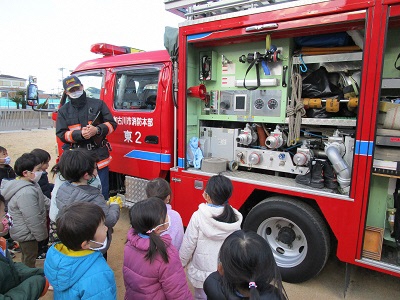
(286, 239)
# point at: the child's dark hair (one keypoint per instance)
(43, 155)
(219, 188)
(246, 258)
(2, 149)
(159, 188)
(55, 169)
(75, 163)
(26, 162)
(77, 223)
(146, 215)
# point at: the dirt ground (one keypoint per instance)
(19, 142)
(364, 283)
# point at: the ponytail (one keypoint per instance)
(145, 216)
(254, 294)
(156, 245)
(220, 188)
(227, 215)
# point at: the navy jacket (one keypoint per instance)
(214, 290)
(45, 185)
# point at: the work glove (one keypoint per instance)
(115, 200)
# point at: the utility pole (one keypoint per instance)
(62, 73)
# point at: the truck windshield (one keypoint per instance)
(92, 83)
(136, 88)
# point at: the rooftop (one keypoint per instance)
(2, 76)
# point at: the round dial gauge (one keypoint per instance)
(272, 103)
(259, 103)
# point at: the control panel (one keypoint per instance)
(266, 103)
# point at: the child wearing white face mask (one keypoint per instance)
(28, 207)
(6, 171)
(78, 168)
(72, 267)
(46, 188)
(207, 229)
(152, 269)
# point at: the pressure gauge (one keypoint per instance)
(259, 103)
(272, 104)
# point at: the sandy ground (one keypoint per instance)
(364, 283)
(19, 142)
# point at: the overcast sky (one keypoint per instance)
(39, 37)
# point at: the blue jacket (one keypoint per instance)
(79, 274)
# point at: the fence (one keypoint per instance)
(26, 119)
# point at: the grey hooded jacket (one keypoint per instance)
(27, 205)
(69, 193)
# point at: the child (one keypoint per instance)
(152, 269)
(78, 167)
(246, 270)
(6, 171)
(74, 270)
(44, 183)
(28, 207)
(58, 181)
(47, 188)
(17, 280)
(160, 188)
(207, 229)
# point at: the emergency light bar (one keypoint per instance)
(111, 50)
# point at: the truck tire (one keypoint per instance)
(297, 234)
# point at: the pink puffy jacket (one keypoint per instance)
(155, 281)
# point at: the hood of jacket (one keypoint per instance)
(215, 229)
(68, 193)
(13, 186)
(64, 271)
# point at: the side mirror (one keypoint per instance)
(32, 96)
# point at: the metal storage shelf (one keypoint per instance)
(391, 83)
(329, 58)
(327, 122)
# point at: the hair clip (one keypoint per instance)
(252, 284)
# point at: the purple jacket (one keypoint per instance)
(175, 230)
(156, 281)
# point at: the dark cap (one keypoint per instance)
(70, 82)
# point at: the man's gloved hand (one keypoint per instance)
(115, 200)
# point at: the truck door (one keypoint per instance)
(142, 141)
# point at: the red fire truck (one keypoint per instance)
(295, 101)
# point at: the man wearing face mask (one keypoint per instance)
(84, 122)
(27, 206)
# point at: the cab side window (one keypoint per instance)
(136, 89)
